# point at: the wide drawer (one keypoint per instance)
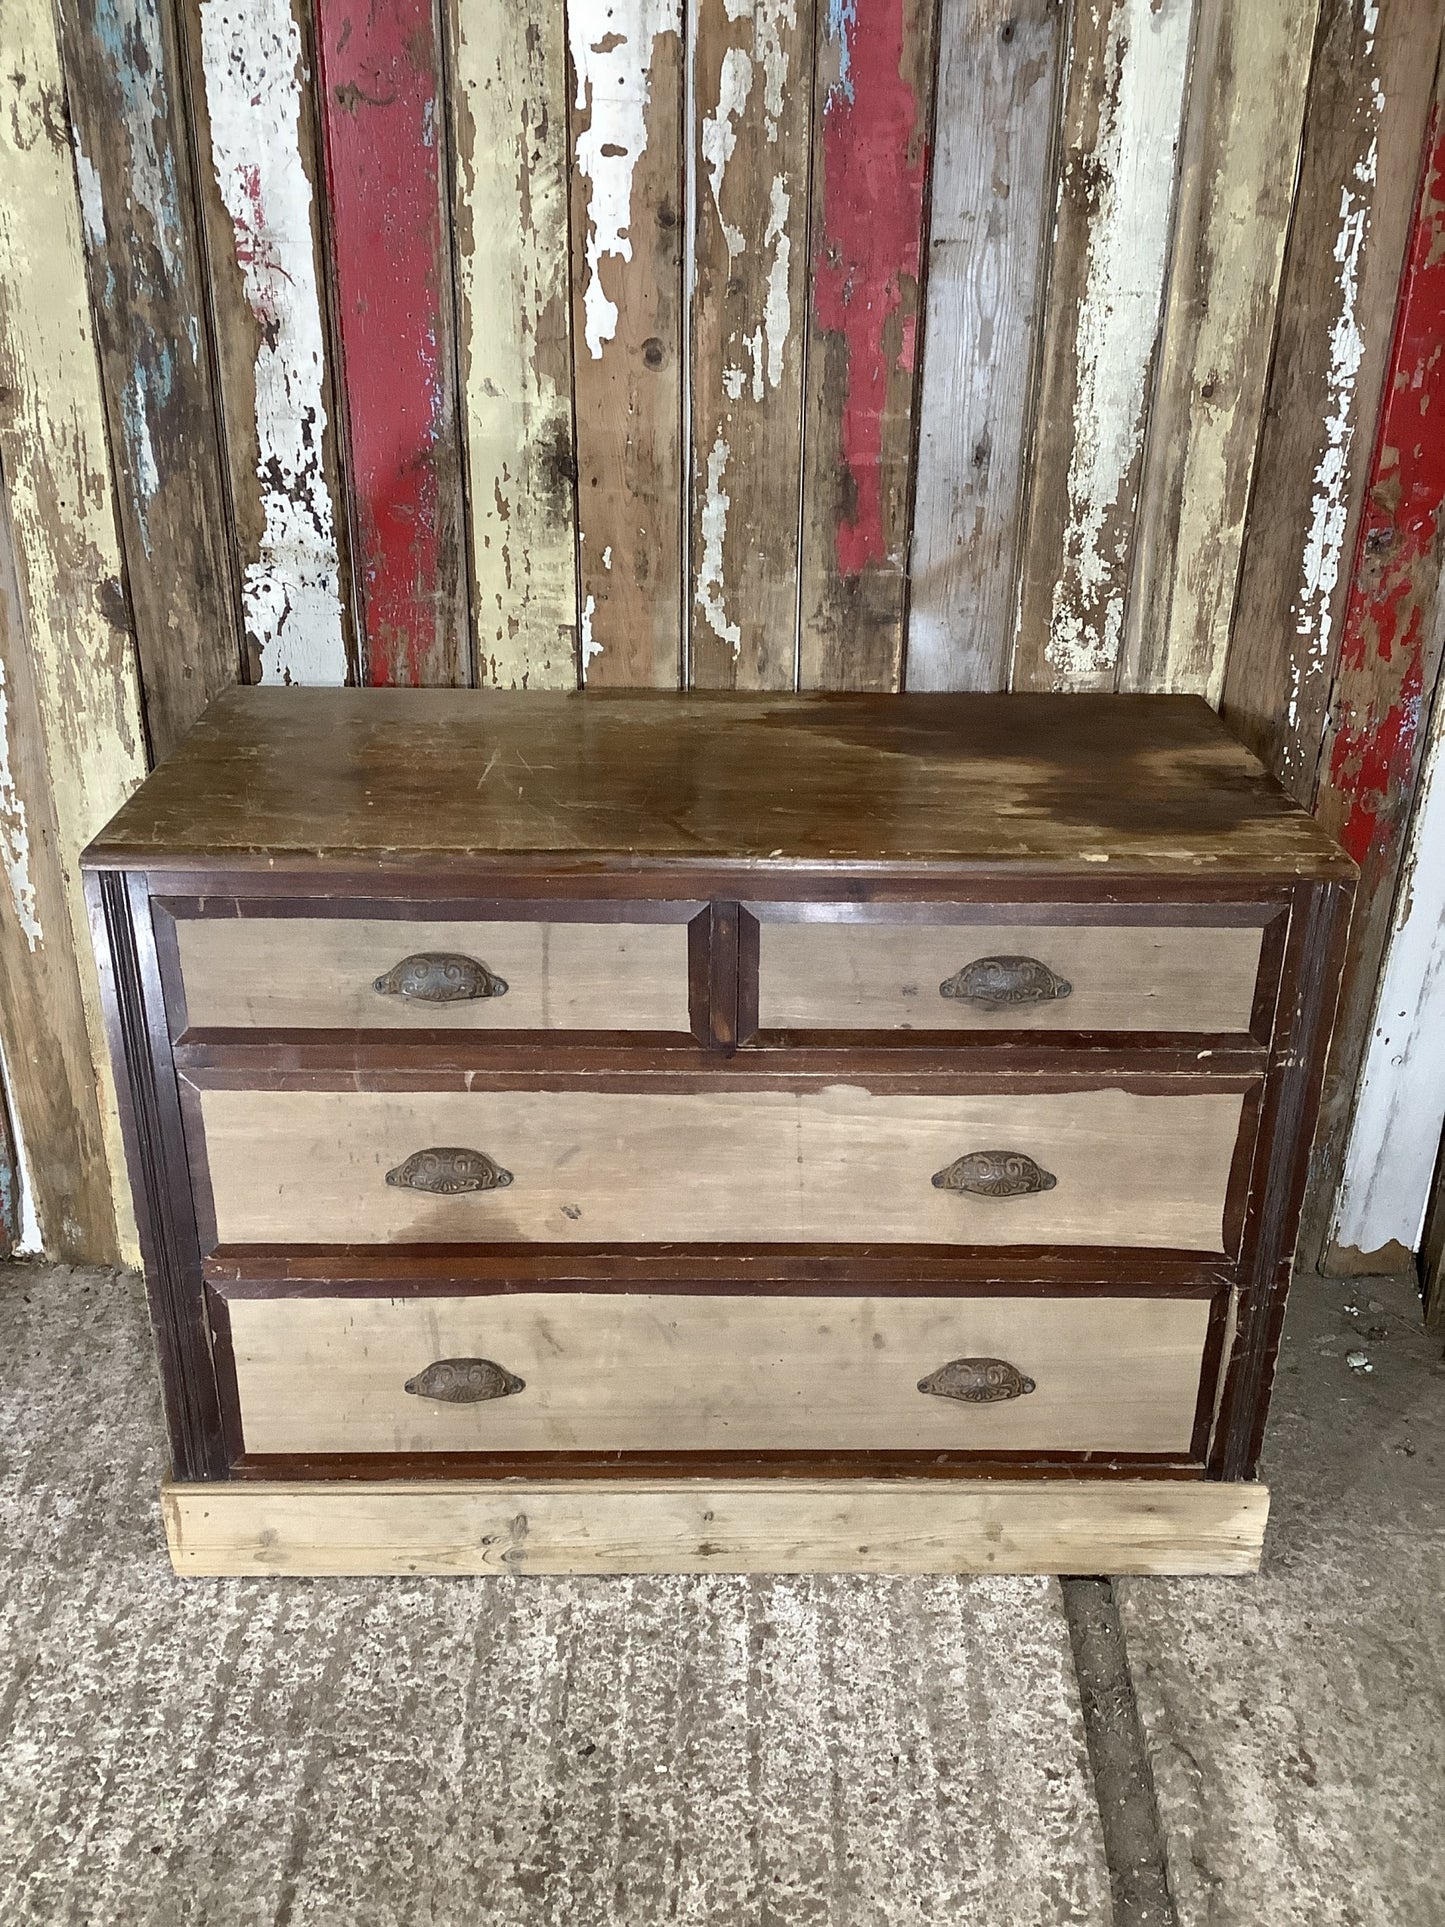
(946, 976)
(622, 1372)
(838, 1164)
(357, 973)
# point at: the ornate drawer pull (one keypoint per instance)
(440, 977)
(449, 1169)
(994, 1174)
(465, 1381)
(996, 983)
(975, 1381)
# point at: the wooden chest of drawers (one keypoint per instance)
(637, 1132)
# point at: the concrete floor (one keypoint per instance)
(850, 1753)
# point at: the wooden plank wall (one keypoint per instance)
(862, 344)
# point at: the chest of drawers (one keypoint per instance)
(651, 1132)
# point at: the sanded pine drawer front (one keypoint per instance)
(623, 1372)
(815, 1165)
(941, 976)
(360, 973)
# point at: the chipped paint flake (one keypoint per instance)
(710, 577)
(589, 647)
(254, 68)
(15, 836)
(611, 42)
(719, 135)
(92, 202)
(1130, 171)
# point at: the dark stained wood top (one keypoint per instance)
(301, 778)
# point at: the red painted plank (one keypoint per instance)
(1369, 767)
(381, 117)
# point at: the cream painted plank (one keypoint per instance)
(866, 976)
(828, 1166)
(992, 195)
(258, 149)
(509, 99)
(619, 1372)
(1124, 96)
(55, 459)
(1241, 156)
(751, 129)
(496, 1526)
(304, 971)
(630, 341)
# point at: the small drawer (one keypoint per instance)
(997, 976)
(837, 1165)
(358, 973)
(621, 1372)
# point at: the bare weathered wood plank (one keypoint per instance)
(752, 120)
(266, 1527)
(1123, 101)
(509, 102)
(871, 125)
(253, 99)
(626, 127)
(125, 94)
(992, 202)
(380, 101)
(88, 749)
(1241, 152)
(1369, 99)
(1388, 669)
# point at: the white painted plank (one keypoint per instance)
(255, 68)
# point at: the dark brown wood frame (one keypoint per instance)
(1281, 1062)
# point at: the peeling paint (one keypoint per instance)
(719, 134)
(15, 836)
(711, 583)
(254, 68)
(611, 43)
(590, 649)
(1125, 179)
(92, 202)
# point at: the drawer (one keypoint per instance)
(838, 1164)
(997, 976)
(358, 973)
(610, 1372)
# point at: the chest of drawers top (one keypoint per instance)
(709, 788)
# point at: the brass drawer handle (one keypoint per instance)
(997, 983)
(440, 977)
(465, 1381)
(448, 1169)
(994, 1174)
(977, 1381)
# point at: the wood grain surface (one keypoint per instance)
(1143, 785)
(632, 1372)
(989, 232)
(509, 108)
(752, 123)
(696, 1525)
(300, 972)
(835, 1165)
(882, 976)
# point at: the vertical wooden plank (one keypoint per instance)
(148, 298)
(1241, 154)
(1123, 103)
(992, 201)
(1369, 98)
(1389, 663)
(626, 134)
(1399, 1107)
(380, 103)
(54, 460)
(252, 98)
(509, 100)
(871, 113)
(53, 1088)
(752, 65)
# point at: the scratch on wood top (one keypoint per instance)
(254, 67)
